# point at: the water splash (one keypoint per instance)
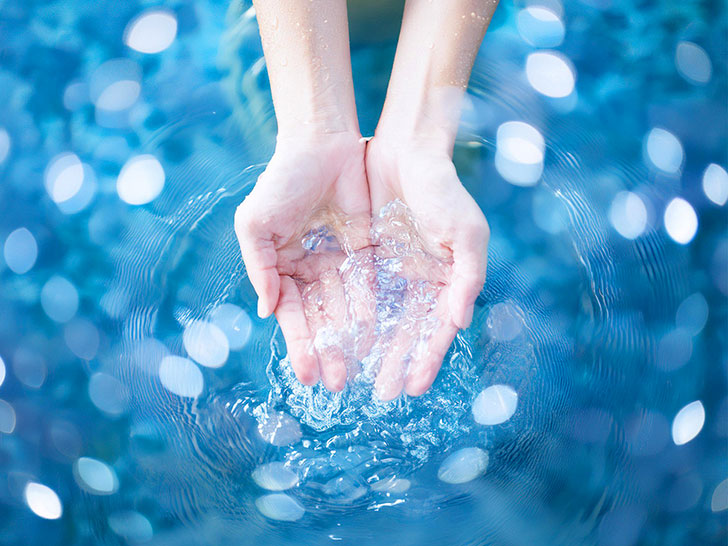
(396, 271)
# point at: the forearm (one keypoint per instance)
(437, 46)
(306, 46)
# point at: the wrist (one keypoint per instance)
(430, 122)
(314, 138)
(316, 125)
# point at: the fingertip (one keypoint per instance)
(333, 371)
(464, 318)
(335, 385)
(468, 318)
(416, 389)
(264, 308)
(458, 308)
(387, 393)
(304, 361)
(306, 370)
(390, 381)
(461, 300)
(419, 383)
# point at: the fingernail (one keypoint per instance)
(261, 309)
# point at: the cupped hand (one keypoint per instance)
(453, 230)
(313, 194)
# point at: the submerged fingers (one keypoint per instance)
(294, 327)
(390, 378)
(468, 271)
(325, 309)
(418, 351)
(426, 364)
(260, 259)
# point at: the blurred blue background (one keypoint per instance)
(142, 401)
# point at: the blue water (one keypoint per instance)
(143, 401)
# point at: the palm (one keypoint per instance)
(448, 259)
(298, 229)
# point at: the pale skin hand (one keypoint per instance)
(410, 158)
(319, 165)
(303, 183)
(317, 172)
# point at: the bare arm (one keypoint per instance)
(317, 167)
(437, 47)
(306, 46)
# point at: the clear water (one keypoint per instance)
(142, 400)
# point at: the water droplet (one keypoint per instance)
(206, 344)
(278, 428)
(7, 417)
(131, 525)
(681, 222)
(20, 251)
(715, 184)
(719, 500)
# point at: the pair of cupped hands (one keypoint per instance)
(353, 178)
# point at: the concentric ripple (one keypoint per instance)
(570, 314)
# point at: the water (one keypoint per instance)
(143, 401)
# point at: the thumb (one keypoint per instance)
(260, 259)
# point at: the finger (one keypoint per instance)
(327, 320)
(299, 343)
(359, 279)
(390, 378)
(468, 273)
(260, 259)
(427, 362)
(333, 367)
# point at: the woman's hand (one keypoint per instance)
(325, 305)
(453, 229)
(311, 182)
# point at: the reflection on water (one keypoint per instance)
(142, 400)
